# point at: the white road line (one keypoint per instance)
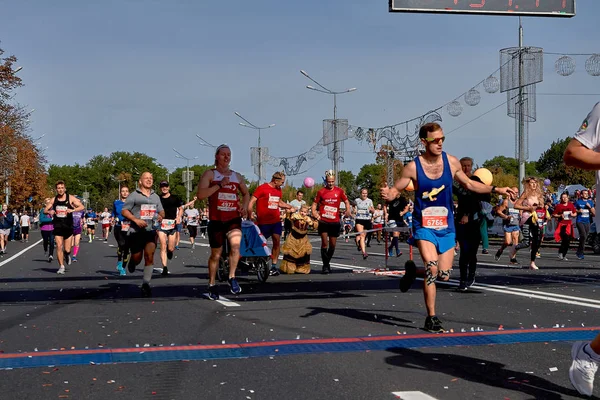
(21, 252)
(413, 396)
(224, 301)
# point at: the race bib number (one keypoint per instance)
(585, 213)
(566, 215)
(273, 202)
(227, 201)
(125, 226)
(435, 218)
(147, 211)
(329, 212)
(540, 217)
(514, 216)
(61, 211)
(362, 214)
(167, 224)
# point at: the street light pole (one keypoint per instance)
(336, 148)
(258, 128)
(187, 174)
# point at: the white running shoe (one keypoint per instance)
(61, 271)
(193, 245)
(69, 259)
(582, 369)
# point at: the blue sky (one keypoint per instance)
(148, 76)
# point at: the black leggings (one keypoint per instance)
(48, 237)
(121, 239)
(532, 236)
(565, 240)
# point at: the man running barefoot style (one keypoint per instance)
(145, 211)
(584, 152)
(62, 207)
(221, 186)
(433, 223)
(268, 202)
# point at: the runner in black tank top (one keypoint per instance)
(61, 209)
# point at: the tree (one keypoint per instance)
(510, 166)
(551, 165)
(347, 181)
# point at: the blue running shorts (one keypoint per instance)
(442, 240)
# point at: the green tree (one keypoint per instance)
(510, 166)
(552, 166)
(347, 181)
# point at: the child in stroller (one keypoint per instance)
(255, 254)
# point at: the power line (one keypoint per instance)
(568, 94)
(476, 118)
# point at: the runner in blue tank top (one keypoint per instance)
(433, 221)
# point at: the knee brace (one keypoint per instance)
(429, 277)
(444, 274)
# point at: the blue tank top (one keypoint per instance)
(116, 212)
(433, 200)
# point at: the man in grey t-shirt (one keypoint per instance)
(145, 211)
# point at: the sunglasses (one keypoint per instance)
(435, 140)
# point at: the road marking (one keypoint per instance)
(224, 301)
(21, 252)
(413, 396)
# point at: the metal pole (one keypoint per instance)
(336, 164)
(259, 158)
(187, 182)
(521, 117)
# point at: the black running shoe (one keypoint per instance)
(131, 267)
(146, 290)
(434, 325)
(409, 277)
(462, 286)
(213, 292)
(470, 282)
(169, 255)
(514, 260)
(365, 255)
(165, 271)
(498, 254)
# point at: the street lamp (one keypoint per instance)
(250, 125)
(187, 174)
(323, 89)
(114, 178)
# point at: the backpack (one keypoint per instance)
(45, 218)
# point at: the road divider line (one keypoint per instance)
(21, 252)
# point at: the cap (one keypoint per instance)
(164, 184)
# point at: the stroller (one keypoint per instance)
(255, 254)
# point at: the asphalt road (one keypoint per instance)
(89, 334)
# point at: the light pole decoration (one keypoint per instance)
(336, 156)
(262, 153)
(188, 178)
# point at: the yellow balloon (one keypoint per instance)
(485, 175)
(410, 187)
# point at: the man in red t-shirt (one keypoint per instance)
(268, 201)
(328, 199)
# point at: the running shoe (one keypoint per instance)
(582, 370)
(398, 253)
(193, 245)
(410, 275)
(50, 258)
(61, 271)
(119, 265)
(365, 255)
(176, 247)
(146, 290)
(560, 256)
(485, 251)
(538, 255)
(274, 271)
(131, 267)
(234, 286)
(433, 324)
(514, 260)
(580, 256)
(74, 259)
(497, 255)
(69, 259)
(122, 271)
(213, 292)
(165, 271)
(462, 286)
(390, 253)
(470, 282)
